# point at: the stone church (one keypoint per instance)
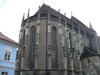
(52, 44)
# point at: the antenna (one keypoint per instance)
(89, 21)
(71, 13)
(43, 1)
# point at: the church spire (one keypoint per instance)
(71, 13)
(43, 1)
(91, 26)
(23, 18)
(28, 15)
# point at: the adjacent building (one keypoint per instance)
(8, 49)
(52, 44)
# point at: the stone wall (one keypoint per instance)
(90, 66)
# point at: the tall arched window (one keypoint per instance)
(32, 47)
(54, 48)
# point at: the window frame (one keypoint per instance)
(32, 47)
(54, 36)
(4, 73)
(7, 55)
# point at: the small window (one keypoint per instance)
(7, 55)
(4, 73)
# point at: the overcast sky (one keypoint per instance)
(11, 12)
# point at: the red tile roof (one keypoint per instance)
(3, 37)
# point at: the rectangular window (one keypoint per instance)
(7, 55)
(4, 73)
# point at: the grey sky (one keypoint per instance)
(11, 12)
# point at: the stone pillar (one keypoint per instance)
(26, 45)
(75, 41)
(21, 42)
(77, 44)
(79, 51)
(84, 31)
(17, 68)
(73, 34)
(49, 43)
(79, 40)
(64, 55)
(37, 46)
(63, 49)
(49, 56)
(70, 56)
(78, 67)
(23, 51)
(68, 40)
(80, 45)
(49, 47)
(24, 58)
(97, 47)
(19, 52)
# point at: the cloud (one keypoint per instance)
(12, 12)
(2, 4)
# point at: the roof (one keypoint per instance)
(88, 52)
(3, 37)
(82, 26)
(44, 10)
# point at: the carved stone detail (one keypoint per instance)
(38, 29)
(20, 34)
(64, 52)
(49, 28)
(60, 31)
(49, 50)
(26, 31)
(38, 22)
(36, 50)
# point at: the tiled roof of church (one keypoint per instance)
(3, 37)
(45, 9)
(82, 26)
(88, 52)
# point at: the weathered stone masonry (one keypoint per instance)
(52, 44)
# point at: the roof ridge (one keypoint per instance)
(6, 38)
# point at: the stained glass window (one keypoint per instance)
(54, 48)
